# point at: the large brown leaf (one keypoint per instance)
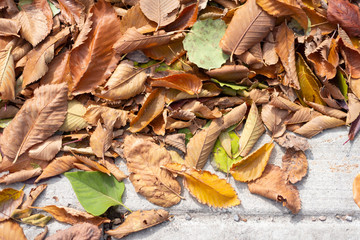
(273, 118)
(10, 230)
(9, 27)
(255, 25)
(92, 62)
(144, 159)
(273, 185)
(134, 17)
(72, 11)
(78, 231)
(36, 121)
(7, 75)
(20, 176)
(100, 140)
(139, 220)
(317, 125)
(46, 150)
(352, 58)
(162, 12)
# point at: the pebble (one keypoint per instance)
(322, 218)
(236, 218)
(313, 219)
(348, 218)
(188, 217)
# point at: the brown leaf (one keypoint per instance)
(162, 12)
(201, 145)
(34, 25)
(7, 73)
(317, 125)
(42, 235)
(10, 199)
(20, 176)
(9, 27)
(354, 108)
(107, 115)
(110, 165)
(201, 110)
(92, 62)
(331, 112)
(259, 96)
(289, 140)
(274, 118)
(10, 230)
(100, 140)
(229, 73)
(176, 140)
(352, 58)
(285, 48)
(282, 8)
(48, 110)
(152, 107)
(234, 116)
(144, 159)
(256, 24)
(269, 53)
(356, 189)
(169, 52)
(284, 103)
(33, 195)
(253, 130)
(91, 164)
(124, 83)
(72, 11)
(301, 116)
(58, 166)
(345, 14)
(44, 6)
(46, 150)
(72, 216)
(8, 112)
(252, 166)
(78, 232)
(185, 82)
(295, 165)
(206, 187)
(139, 220)
(272, 184)
(134, 17)
(186, 18)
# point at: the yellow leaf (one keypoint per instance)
(252, 166)
(206, 187)
(10, 199)
(37, 220)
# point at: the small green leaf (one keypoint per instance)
(230, 85)
(5, 122)
(188, 134)
(96, 191)
(53, 8)
(342, 84)
(202, 43)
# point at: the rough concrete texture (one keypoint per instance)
(328, 210)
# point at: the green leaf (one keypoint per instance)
(96, 191)
(202, 43)
(230, 85)
(53, 8)
(342, 84)
(221, 159)
(188, 134)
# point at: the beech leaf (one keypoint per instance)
(79, 231)
(356, 190)
(295, 165)
(162, 12)
(20, 176)
(7, 75)
(184, 82)
(274, 118)
(100, 140)
(58, 166)
(317, 125)
(46, 150)
(96, 191)
(74, 120)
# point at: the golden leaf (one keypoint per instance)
(74, 120)
(10, 199)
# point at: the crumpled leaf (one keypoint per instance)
(331, 112)
(48, 109)
(206, 187)
(107, 115)
(72, 216)
(289, 140)
(93, 165)
(10, 199)
(10, 230)
(79, 231)
(284, 103)
(58, 166)
(253, 130)
(7, 73)
(235, 116)
(100, 140)
(295, 165)
(255, 25)
(134, 17)
(351, 56)
(202, 44)
(162, 12)
(252, 166)
(33, 195)
(356, 189)
(74, 120)
(72, 11)
(96, 191)
(201, 110)
(36, 220)
(274, 118)
(229, 73)
(20, 176)
(317, 125)
(139, 220)
(46, 150)
(144, 159)
(272, 184)
(185, 82)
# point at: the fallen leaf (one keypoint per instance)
(42, 235)
(274, 118)
(185, 82)
(235, 116)
(170, 52)
(74, 120)
(202, 44)
(33, 195)
(144, 159)
(96, 191)
(354, 108)
(301, 116)
(259, 96)
(186, 18)
(289, 140)
(20, 176)
(354, 128)
(229, 73)
(46, 150)
(79, 231)
(72, 216)
(295, 164)
(201, 110)
(356, 189)
(48, 110)
(107, 115)
(272, 184)
(10, 199)
(95, 166)
(9, 27)
(7, 73)
(252, 166)
(317, 125)
(58, 166)
(256, 24)
(176, 141)
(139, 220)
(100, 140)
(10, 230)
(331, 112)
(253, 130)
(8, 112)
(114, 170)
(36, 220)
(206, 187)
(284, 103)
(269, 53)
(162, 12)
(351, 56)
(134, 17)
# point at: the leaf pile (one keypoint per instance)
(167, 85)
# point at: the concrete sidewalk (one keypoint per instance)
(328, 210)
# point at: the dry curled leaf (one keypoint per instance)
(115, 171)
(331, 112)
(295, 165)
(107, 115)
(58, 166)
(144, 159)
(185, 82)
(274, 118)
(10, 199)
(317, 125)
(139, 220)
(134, 17)
(273, 185)
(46, 150)
(252, 166)
(100, 140)
(356, 189)
(7, 75)
(33, 195)
(47, 113)
(78, 232)
(20, 176)
(289, 140)
(92, 165)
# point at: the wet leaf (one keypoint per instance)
(317, 125)
(96, 191)
(139, 220)
(10, 199)
(10, 230)
(7, 73)
(162, 12)
(295, 165)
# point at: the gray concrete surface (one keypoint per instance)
(328, 210)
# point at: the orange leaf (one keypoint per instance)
(92, 164)
(10, 230)
(356, 190)
(186, 18)
(185, 82)
(134, 17)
